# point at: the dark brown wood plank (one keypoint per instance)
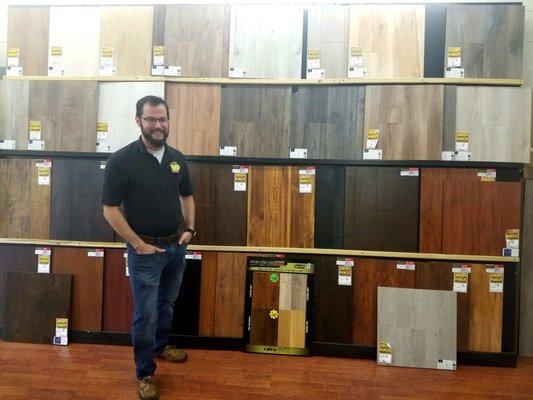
(207, 294)
(329, 206)
(117, 302)
(187, 305)
(265, 300)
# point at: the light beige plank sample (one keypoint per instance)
(14, 103)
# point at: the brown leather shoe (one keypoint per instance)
(148, 388)
(170, 353)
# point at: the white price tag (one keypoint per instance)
(298, 153)
(346, 261)
(43, 264)
(61, 336)
(450, 365)
(240, 181)
(106, 70)
(354, 72)
(508, 252)
(307, 171)
(55, 55)
(103, 147)
(372, 154)
(240, 169)
(356, 57)
(14, 71)
(106, 57)
(462, 155)
(454, 57)
(172, 70)
(462, 141)
(101, 136)
(43, 176)
(372, 138)
(35, 135)
(7, 144)
(60, 340)
(313, 59)
(102, 164)
(316, 74)
(43, 251)
(13, 57)
(159, 55)
(344, 275)
(193, 255)
(496, 282)
(236, 72)
(512, 236)
(406, 265)
(158, 70)
(95, 253)
(384, 353)
(228, 151)
(455, 73)
(460, 282)
(56, 70)
(409, 172)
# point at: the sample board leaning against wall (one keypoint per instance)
(117, 298)
(14, 103)
(266, 41)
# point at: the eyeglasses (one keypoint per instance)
(152, 121)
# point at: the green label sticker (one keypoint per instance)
(274, 278)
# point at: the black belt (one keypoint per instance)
(155, 241)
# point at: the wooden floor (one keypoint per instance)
(82, 371)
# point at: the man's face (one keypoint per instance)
(152, 128)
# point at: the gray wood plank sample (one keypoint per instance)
(526, 278)
(266, 40)
(420, 325)
(491, 38)
(14, 108)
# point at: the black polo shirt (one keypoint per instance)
(148, 190)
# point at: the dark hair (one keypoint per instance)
(153, 101)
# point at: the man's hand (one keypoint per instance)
(185, 238)
(145, 248)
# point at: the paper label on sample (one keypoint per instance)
(512, 238)
(7, 144)
(356, 57)
(372, 138)
(101, 131)
(43, 251)
(462, 140)
(14, 71)
(409, 172)
(496, 282)
(159, 55)
(240, 180)
(344, 275)
(305, 184)
(462, 155)
(103, 147)
(508, 252)
(106, 56)
(240, 169)
(35, 130)
(44, 163)
(384, 353)
(316, 74)
(237, 72)
(450, 365)
(55, 56)
(13, 57)
(455, 73)
(43, 175)
(158, 70)
(172, 70)
(346, 261)
(102, 164)
(313, 59)
(107, 70)
(487, 175)
(372, 154)
(228, 151)
(460, 282)
(454, 57)
(406, 265)
(298, 153)
(56, 70)
(193, 255)
(95, 253)
(354, 72)
(307, 171)
(43, 264)
(61, 336)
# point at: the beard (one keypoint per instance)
(148, 135)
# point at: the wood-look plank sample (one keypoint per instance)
(332, 304)
(27, 30)
(14, 109)
(329, 206)
(498, 120)
(117, 301)
(456, 207)
(158, 26)
(368, 275)
(434, 40)
(33, 302)
(87, 286)
(208, 280)
(292, 310)
(526, 275)
(256, 119)
(14, 258)
(409, 119)
(486, 313)
(68, 113)
(266, 40)
(24, 204)
(439, 276)
(116, 107)
(187, 305)
(392, 39)
(128, 30)
(419, 325)
(76, 205)
(490, 37)
(328, 27)
(265, 309)
(328, 121)
(194, 118)
(77, 31)
(196, 37)
(278, 215)
(381, 209)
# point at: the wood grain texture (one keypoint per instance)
(265, 298)
(368, 275)
(195, 118)
(197, 39)
(27, 30)
(24, 204)
(33, 302)
(451, 219)
(77, 31)
(329, 207)
(419, 325)
(526, 274)
(409, 119)
(490, 36)
(328, 27)
(266, 40)
(128, 29)
(14, 258)
(497, 118)
(76, 205)
(158, 26)
(486, 311)
(301, 211)
(187, 306)
(381, 209)
(117, 298)
(256, 119)
(14, 108)
(291, 328)
(87, 286)
(116, 107)
(328, 121)
(53, 102)
(392, 38)
(206, 323)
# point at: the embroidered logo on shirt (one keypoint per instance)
(174, 167)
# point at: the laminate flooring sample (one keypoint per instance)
(409, 119)
(266, 40)
(419, 325)
(292, 310)
(278, 215)
(526, 274)
(490, 36)
(116, 107)
(392, 39)
(33, 302)
(187, 305)
(196, 37)
(194, 118)
(328, 121)
(265, 309)
(498, 120)
(329, 206)
(257, 120)
(24, 204)
(14, 108)
(117, 301)
(87, 285)
(128, 30)
(76, 206)
(77, 31)
(68, 111)
(381, 209)
(27, 30)
(328, 27)
(452, 220)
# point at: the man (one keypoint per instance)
(148, 177)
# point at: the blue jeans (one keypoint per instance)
(155, 283)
